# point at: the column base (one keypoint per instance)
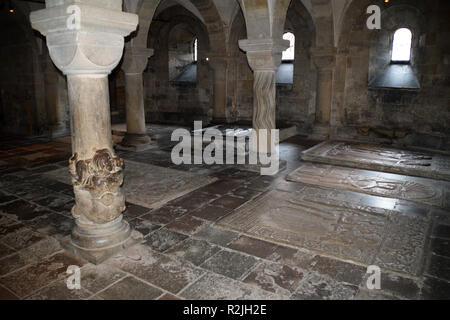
(136, 143)
(96, 244)
(320, 132)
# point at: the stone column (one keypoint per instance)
(85, 40)
(134, 63)
(264, 57)
(325, 61)
(220, 67)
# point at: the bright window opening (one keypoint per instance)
(195, 49)
(289, 54)
(401, 47)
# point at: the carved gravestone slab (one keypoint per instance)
(315, 219)
(373, 157)
(381, 184)
(148, 185)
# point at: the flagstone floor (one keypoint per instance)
(188, 254)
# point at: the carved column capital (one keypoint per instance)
(324, 58)
(135, 59)
(84, 37)
(264, 54)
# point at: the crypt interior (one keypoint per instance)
(92, 90)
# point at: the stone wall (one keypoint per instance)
(171, 36)
(21, 100)
(405, 117)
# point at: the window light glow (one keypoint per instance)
(401, 48)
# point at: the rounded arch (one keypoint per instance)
(207, 10)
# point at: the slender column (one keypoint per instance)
(264, 56)
(220, 67)
(134, 64)
(325, 61)
(85, 41)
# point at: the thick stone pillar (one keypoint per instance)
(325, 61)
(220, 67)
(85, 40)
(264, 57)
(134, 63)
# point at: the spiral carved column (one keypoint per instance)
(264, 57)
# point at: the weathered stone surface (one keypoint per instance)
(29, 255)
(151, 186)
(438, 267)
(164, 239)
(276, 278)
(231, 264)
(59, 291)
(229, 202)
(210, 213)
(378, 184)
(216, 236)
(96, 278)
(143, 226)
(188, 225)
(166, 273)
(366, 156)
(164, 215)
(347, 230)
(217, 287)
(130, 289)
(314, 286)
(254, 247)
(403, 246)
(194, 251)
(307, 223)
(26, 281)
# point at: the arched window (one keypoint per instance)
(289, 54)
(195, 49)
(401, 46)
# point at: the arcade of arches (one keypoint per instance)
(92, 90)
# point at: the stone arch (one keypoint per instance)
(207, 10)
(169, 101)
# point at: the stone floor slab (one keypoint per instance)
(164, 239)
(217, 287)
(276, 278)
(347, 230)
(419, 190)
(194, 251)
(315, 286)
(148, 185)
(25, 281)
(231, 264)
(157, 269)
(130, 289)
(380, 158)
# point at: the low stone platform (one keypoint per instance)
(380, 158)
(148, 185)
(354, 227)
(420, 190)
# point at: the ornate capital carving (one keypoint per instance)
(264, 54)
(135, 59)
(84, 37)
(324, 58)
(97, 185)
